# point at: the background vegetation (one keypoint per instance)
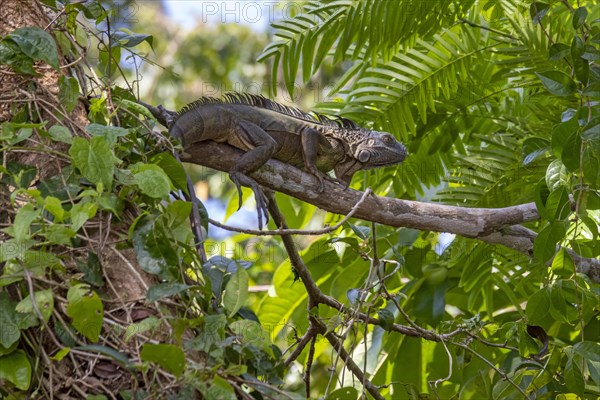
(103, 293)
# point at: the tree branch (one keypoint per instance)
(492, 225)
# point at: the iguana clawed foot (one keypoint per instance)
(322, 177)
(262, 201)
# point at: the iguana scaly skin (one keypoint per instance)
(265, 129)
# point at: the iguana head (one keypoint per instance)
(369, 149)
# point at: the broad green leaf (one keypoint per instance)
(163, 290)
(430, 303)
(12, 322)
(127, 38)
(561, 133)
(110, 133)
(558, 206)
(80, 213)
(250, 332)
(591, 166)
(25, 216)
(591, 131)
(153, 182)
(154, 250)
(544, 245)
(236, 291)
(92, 269)
(16, 369)
(95, 159)
(37, 44)
(558, 83)
(538, 306)
(44, 300)
(592, 90)
(345, 393)
(588, 350)
(220, 389)
(563, 265)
(571, 151)
(69, 92)
(168, 356)
(54, 206)
(556, 175)
(559, 51)
(59, 133)
(86, 311)
(172, 168)
(574, 378)
(147, 324)
(579, 16)
(62, 353)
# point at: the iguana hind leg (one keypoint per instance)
(259, 146)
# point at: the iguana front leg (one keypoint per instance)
(311, 139)
(260, 147)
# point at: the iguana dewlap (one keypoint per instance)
(265, 129)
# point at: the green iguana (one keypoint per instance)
(265, 129)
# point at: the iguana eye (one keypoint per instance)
(388, 138)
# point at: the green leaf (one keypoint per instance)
(558, 206)
(558, 83)
(153, 181)
(556, 175)
(592, 90)
(588, 350)
(148, 324)
(558, 51)
(62, 353)
(109, 352)
(168, 356)
(25, 216)
(92, 269)
(386, 318)
(591, 165)
(153, 248)
(581, 66)
(561, 133)
(126, 38)
(345, 393)
(537, 10)
(54, 206)
(544, 245)
(579, 16)
(59, 133)
(37, 44)
(163, 290)
(538, 306)
(95, 159)
(16, 369)
(86, 311)
(44, 300)
(68, 94)
(110, 133)
(563, 264)
(12, 322)
(591, 131)
(570, 154)
(250, 332)
(430, 303)
(574, 378)
(236, 291)
(172, 168)
(80, 213)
